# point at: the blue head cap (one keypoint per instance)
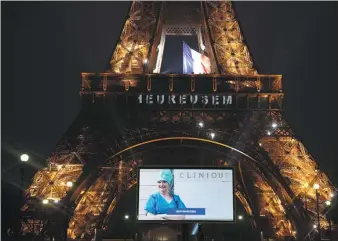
(166, 175)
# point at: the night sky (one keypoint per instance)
(45, 46)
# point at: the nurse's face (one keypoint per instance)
(163, 186)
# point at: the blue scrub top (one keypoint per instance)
(156, 204)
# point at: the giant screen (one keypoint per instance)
(185, 194)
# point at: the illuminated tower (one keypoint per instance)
(232, 115)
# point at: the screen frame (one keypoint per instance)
(232, 168)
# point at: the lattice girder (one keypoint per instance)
(230, 49)
(299, 168)
(50, 183)
(134, 44)
(92, 207)
(271, 207)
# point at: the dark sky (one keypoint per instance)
(45, 46)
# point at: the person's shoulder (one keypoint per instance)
(154, 195)
(176, 197)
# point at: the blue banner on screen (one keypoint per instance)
(185, 194)
(194, 62)
(186, 211)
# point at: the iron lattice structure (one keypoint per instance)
(114, 133)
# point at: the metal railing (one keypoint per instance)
(161, 83)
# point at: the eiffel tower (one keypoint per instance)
(133, 114)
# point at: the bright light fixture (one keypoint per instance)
(274, 125)
(45, 201)
(328, 202)
(201, 124)
(145, 61)
(212, 135)
(268, 132)
(69, 184)
(126, 216)
(24, 157)
(316, 186)
(315, 226)
(240, 217)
